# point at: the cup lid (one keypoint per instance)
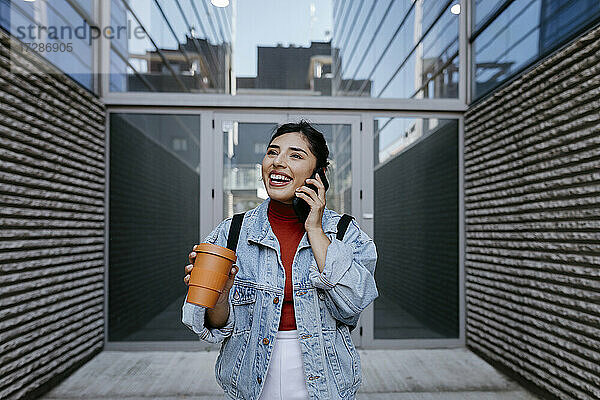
(216, 250)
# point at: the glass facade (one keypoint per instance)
(396, 49)
(170, 46)
(380, 48)
(416, 228)
(57, 30)
(509, 35)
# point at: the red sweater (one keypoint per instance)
(289, 231)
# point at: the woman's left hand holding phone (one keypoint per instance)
(316, 201)
(215, 317)
(313, 225)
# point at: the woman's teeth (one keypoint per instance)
(278, 180)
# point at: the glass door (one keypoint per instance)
(241, 141)
(415, 175)
(155, 181)
(343, 136)
(240, 145)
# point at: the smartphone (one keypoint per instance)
(301, 207)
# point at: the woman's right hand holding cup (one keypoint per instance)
(225, 293)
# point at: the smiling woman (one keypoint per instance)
(287, 269)
(293, 154)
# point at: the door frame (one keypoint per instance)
(362, 209)
(147, 345)
(368, 315)
(357, 145)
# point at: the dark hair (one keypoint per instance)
(316, 140)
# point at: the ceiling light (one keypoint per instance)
(220, 3)
(455, 9)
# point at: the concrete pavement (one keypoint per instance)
(431, 374)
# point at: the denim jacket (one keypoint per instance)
(324, 304)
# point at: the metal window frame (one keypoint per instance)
(280, 102)
(362, 147)
(464, 53)
(358, 176)
(104, 46)
(205, 201)
(368, 315)
(101, 71)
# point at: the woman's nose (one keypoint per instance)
(279, 160)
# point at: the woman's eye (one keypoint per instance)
(273, 152)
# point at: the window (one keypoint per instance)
(57, 30)
(180, 144)
(511, 35)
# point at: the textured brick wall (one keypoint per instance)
(532, 199)
(416, 231)
(51, 225)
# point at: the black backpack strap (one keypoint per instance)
(341, 231)
(343, 225)
(234, 231)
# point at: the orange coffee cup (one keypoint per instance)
(210, 273)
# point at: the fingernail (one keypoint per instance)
(193, 254)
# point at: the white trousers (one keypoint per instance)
(285, 376)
